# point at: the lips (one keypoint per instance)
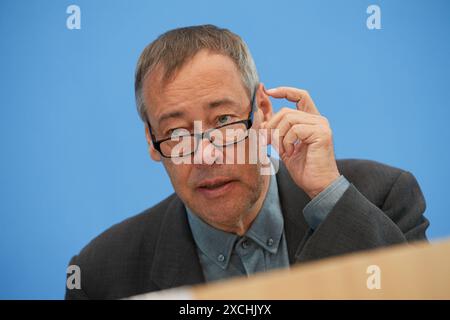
(213, 183)
(213, 188)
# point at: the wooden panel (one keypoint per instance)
(419, 271)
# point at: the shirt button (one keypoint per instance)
(270, 242)
(220, 257)
(245, 244)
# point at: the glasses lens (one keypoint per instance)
(230, 134)
(184, 145)
(178, 146)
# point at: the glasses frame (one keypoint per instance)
(200, 136)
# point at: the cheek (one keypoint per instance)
(179, 176)
(253, 175)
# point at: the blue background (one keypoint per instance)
(73, 154)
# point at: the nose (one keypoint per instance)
(207, 153)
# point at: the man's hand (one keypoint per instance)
(304, 141)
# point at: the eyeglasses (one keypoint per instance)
(187, 144)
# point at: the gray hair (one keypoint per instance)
(171, 50)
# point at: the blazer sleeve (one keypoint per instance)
(357, 224)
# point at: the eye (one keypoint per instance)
(224, 119)
(176, 132)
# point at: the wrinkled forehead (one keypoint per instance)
(205, 78)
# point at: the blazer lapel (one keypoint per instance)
(292, 199)
(176, 260)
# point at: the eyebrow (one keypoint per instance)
(221, 102)
(171, 114)
(211, 105)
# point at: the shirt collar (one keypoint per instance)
(266, 230)
(214, 243)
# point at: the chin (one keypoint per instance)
(228, 206)
(224, 210)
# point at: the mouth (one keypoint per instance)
(216, 187)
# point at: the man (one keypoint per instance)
(226, 220)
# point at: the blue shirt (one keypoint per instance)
(223, 255)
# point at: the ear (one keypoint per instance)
(154, 154)
(264, 103)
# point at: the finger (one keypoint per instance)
(299, 133)
(301, 97)
(291, 119)
(283, 121)
(277, 134)
(289, 93)
(291, 113)
(276, 118)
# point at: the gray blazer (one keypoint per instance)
(155, 250)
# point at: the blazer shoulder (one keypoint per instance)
(373, 179)
(124, 234)
(116, 257)
(363, 167)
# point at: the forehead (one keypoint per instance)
(206, 77)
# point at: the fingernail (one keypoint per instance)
(270, 90)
